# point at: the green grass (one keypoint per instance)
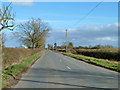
(100, 62)
(13, 70)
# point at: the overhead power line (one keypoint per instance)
(87, 14)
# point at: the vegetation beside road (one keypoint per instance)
(32, 34)
(107, 53)
(110, 54)
(15, 55)
(13, 70)
(98, 51)
(113, 65)
(101, 55)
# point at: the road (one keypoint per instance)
(54, 70)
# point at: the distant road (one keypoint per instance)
(54, 70)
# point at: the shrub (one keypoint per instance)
(99, 53)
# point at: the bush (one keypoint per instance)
(61, 50)
(73, 51)
(99, 53)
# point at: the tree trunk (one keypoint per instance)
(33, 45)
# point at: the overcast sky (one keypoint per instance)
(99, 27)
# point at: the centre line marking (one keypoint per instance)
(68, 67)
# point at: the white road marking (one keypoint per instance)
(68, 67)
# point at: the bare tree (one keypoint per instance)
(33, 33)
(6, 18)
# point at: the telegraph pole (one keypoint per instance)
(66, 40)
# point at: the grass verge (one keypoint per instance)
(99, 62)
(13, 70)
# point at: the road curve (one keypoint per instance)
(54, 70)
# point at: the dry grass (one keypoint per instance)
(15, 55)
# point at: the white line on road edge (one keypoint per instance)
(68, 67)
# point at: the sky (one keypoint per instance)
(99, 27)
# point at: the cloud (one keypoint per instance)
(21, 2)
(88, 35)
(66, 0)
(104, 38)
